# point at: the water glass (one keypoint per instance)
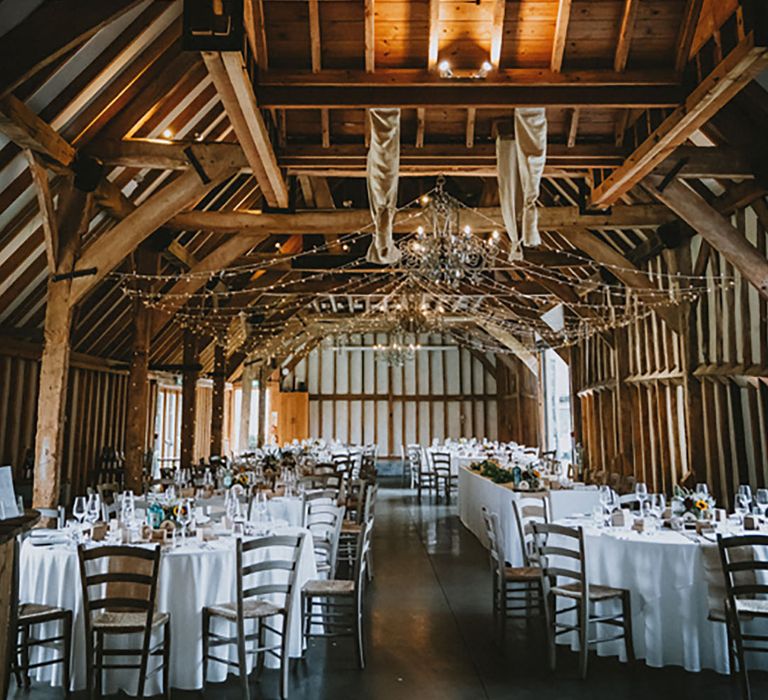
(761, 501)
(93, 508)
(744, 496)
(701, 491)
(184, 517)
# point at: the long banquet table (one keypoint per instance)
(476, 491)
(191, 576)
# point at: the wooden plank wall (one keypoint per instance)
(95, 416)
(673, 409)
(441, 393)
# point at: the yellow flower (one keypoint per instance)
(702, 505)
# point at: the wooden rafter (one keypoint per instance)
(104, 254)
(45, 204)
(457, 93)
(470, 135)
(497, 32)
(433, 41)
(370, 36)
(744, 62)
(687, 32)
(573, 127)
(626, 32)
(254, 224)
(50, 32)
(561, 32)
(714, 228)
(624, 270)
(234, 87)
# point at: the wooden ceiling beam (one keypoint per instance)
(433, 40)
(253, 224)
(233, 84)
(573, 127)
(688, 26)
(107, 251)
(623, 270)
(51, 31)
(419, 77)
(458, 93)
(626, 32)
(370, 36)
(747, 58)
(47, 210)
(497, 32)
(561, 33)
(714, 228)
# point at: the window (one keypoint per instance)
(557, 405)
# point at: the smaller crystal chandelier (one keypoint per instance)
(415, 312)
(397, 352)
(444, 254)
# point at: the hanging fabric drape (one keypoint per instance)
(520, 163)
(383, 169)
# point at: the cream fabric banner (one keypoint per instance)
(383, 169)
(520, 163)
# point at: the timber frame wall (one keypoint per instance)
(680, 410)
(452, 392)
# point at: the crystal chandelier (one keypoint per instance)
(443, 253)
(414, 312)
(397, 352)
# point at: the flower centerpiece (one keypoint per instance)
(693, 505)
(527, 479)
(491, 469)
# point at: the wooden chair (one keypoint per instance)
(340, 602)
(257, 591)
(29, 616)
(441, 468)
(529, 510)
(422, 475)
(119, 587)
(312, 482)
(556, 542)
(746, 600)
(351, 532)
(324, 521)
(514, 588)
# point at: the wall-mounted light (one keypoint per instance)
(444, 69)
(167, 134)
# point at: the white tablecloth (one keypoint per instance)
(476, 491)
(190, 578)
(664, 573)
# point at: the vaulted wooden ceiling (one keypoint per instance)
(109, 79)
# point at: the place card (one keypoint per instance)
(9, 508)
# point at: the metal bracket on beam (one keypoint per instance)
(87, 272)
(197, 165)
(671, 174)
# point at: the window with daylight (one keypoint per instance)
(557, 404)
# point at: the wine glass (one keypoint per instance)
(761, 501)
(744, 496)
(184, 517)
(127, 507)
(80, 508)
(701, 491)
(93, 508)
(742, 505)
(641, 491)
(605, 496)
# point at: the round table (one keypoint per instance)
(666, 574)
(191, 576)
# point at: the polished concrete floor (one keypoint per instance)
(429, 634)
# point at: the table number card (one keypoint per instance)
(8, 505)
